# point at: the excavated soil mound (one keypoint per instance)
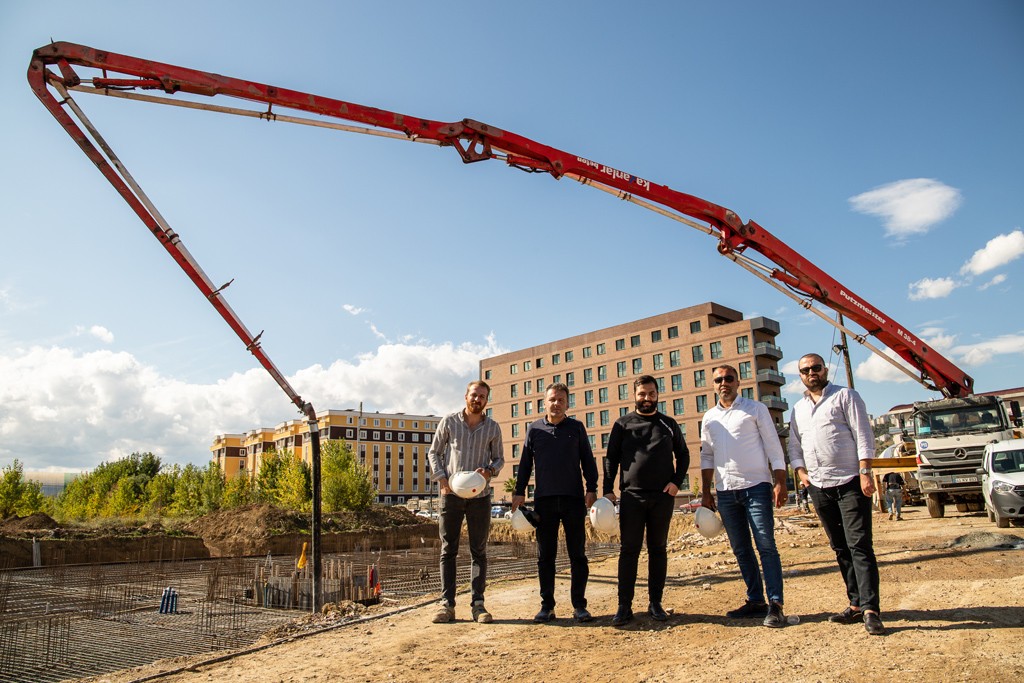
(250, 530)
(15, 526)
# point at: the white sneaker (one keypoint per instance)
(445, 614)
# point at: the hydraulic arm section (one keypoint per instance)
(120, 76)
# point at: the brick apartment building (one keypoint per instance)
(679, 349)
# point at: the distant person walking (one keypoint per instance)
(741, 454)
(893, 483)
(465, 441)
(647, 449)
(830, 448)
(557, 451)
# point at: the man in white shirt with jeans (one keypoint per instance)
(741, 452)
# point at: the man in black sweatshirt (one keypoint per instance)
(558, 449)
(648, 448)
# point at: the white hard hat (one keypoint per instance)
(602, 516)
(519, 521)
(709, 524)
(467, 484)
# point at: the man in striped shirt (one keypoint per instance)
(465, 441)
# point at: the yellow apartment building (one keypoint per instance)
(393, 446)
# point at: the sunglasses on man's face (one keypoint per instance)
(727, 378)
(816, 368)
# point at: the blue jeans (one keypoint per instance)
(895, 499)
(752, 510)
(477, 513)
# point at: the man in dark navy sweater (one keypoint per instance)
(557, 448)
(649, 450)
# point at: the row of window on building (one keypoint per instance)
(696, 352)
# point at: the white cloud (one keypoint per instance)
(983, 352)
(998, 251)
(353, 310)
(997, 280)
(66, 409)
(931, 288)
(877, 369)
(377, 333)
(102, 333)
(908, 207)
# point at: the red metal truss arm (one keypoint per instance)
(476, 141)
(167, 237)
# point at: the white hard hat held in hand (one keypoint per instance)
(708, 523)
(467, 484)
(602, 516)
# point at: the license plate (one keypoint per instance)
(965, 480)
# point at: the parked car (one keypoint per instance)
(498, 511)
(1002, 481)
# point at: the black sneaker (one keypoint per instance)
(544, 615)
(657, 612)
(582, 615)
(847, 616)
(623, 616)
(775, 618)
(873, 624)
(749, 610)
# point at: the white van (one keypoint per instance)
(1002, 481)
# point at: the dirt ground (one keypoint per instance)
(952, 602)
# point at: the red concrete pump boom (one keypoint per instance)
(791, 273)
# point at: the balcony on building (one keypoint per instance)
(762, 324)
(771, 377)
(767, 349)
(775, 403)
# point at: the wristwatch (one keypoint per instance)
(865, 470)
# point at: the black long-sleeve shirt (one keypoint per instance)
(649, 450)
(560, 452)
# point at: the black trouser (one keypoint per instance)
(845, 513)
(477, 513)
(570, 512)
(640, 512)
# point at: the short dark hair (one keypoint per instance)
(644, 379)
(558, 386)
(811, 355)
(725, 366)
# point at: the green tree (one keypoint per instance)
(113, 488)
(238, 492)
(18, 496)
(345, 484)
(212, 492)
(160, 492)
(294, 490)
(510, 485)
(268, 476)
(188, 492)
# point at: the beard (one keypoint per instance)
(645, 406)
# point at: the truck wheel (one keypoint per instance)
(936, 510)
(963, 507)
(975, 506)
(1002, 522)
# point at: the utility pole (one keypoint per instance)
(844, 350)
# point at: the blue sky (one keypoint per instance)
(880, 140)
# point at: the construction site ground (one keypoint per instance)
(952, 602)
